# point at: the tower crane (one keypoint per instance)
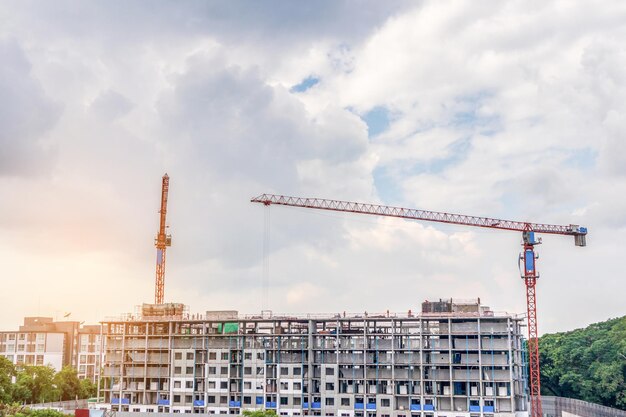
(162, 241)
(527, 257)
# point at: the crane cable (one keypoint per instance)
(265, 278)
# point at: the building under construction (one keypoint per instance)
(452, 359)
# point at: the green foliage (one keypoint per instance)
(67, 383)
(35, 384)
(39, 384)
(16, 410)
(87, 389)
(588, 364)
(7, 371)
(259, 413)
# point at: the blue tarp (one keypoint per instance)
(117, 401)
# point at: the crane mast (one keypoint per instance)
(527, 257)
(161, 242)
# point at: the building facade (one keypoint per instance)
(89, 354)
(43, 341)
(450, 360)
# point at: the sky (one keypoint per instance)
(503, 109)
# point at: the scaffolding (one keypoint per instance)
(413, 365)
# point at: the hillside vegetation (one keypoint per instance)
(588, 364)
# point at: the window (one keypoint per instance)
(297, 401)
(330, 371)
(284, 400)
(297, 386)
(260, 370)
(224, 370)
(176, 398)
(189, 384)
(187, 398)
(212, 370)
(211, 384)
(384, 402)
(247, 400)
(178, 356)
(178, 370)
(189, 370)
(330, 401)
(212, 356)
(260, 355)
(223, 399)
(330, 386)
(345, 401)
(297, 371)
(176, 384)
(224, 356)
(189, 356)
(223, 384)
(284, 385)
(247, 370)
(247, 385)
(211, 399)
(284, 371)
(247, 356)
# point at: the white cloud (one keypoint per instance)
(503, 109)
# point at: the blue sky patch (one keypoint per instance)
(305, 84)
(468, 115)
(386, 186)
(377, 120)
(582, 158)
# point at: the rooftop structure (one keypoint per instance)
(463, 361)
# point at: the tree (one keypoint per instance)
(34, 384)
(588, 364)
(7, 372)
(87, 389)
(259, 413)
(67, 383)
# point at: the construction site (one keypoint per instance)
(452, 358)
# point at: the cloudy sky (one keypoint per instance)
(506, 109)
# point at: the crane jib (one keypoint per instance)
(415, 214)
(528, 256)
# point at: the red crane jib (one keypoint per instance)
(415, 214)
(528, 256)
